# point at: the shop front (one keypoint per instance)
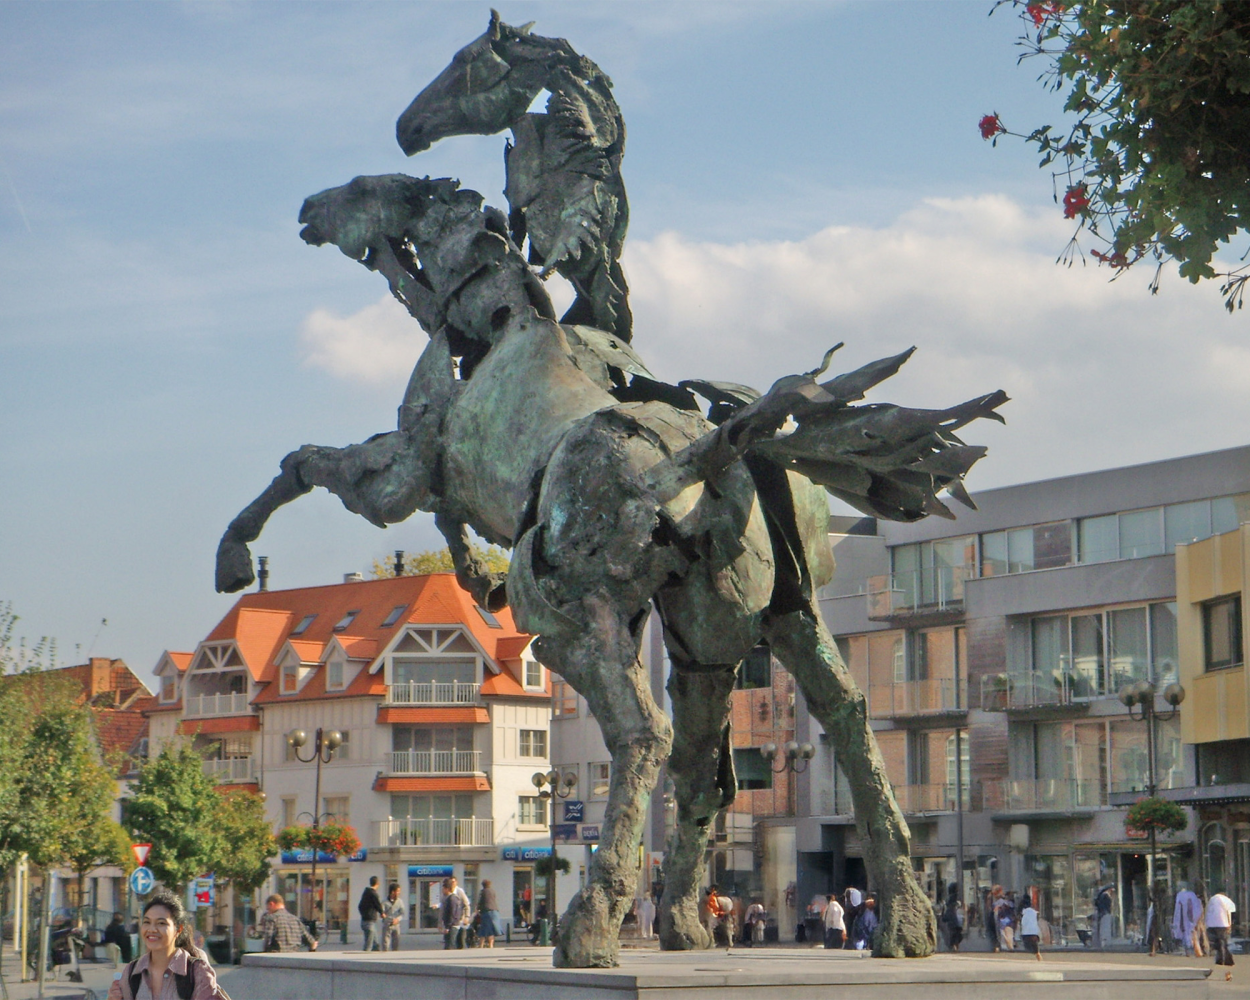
(529, 890)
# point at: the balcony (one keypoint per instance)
(433, 693)
(1044, 795)
(435, 761)
(937, 590)
(436, 833)
(906, 698)
(236, 770)
(1037, 689)
(201, 705)
(929, 798)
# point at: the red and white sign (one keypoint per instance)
(141, 853)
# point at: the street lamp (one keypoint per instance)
(1142, 696)
(551, 786)
(797, 756)
(324, 746)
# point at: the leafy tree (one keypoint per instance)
(175, 807)
(96, 843)
(247, 841)
(492, 557)
(1157, 162)
(20, 658)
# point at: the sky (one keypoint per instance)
(799, 174)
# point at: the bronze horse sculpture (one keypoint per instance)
(615, 491)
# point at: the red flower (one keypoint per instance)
(990, 126)
(1075, 201)
(1040, 11)
(1116, 258)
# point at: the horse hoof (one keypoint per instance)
(234, 566)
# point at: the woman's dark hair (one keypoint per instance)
(165, 898)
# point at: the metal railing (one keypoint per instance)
(433, 693)
(435, 761)
(472, 832)
(216, 704)
(938, 588)
(889, 701)
(231, 771)
(1038, 689)
(929, 798)
(1044, 795)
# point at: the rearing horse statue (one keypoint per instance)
(616, 491)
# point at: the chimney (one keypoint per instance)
(262, 574)
(399, 562)
(353, 578)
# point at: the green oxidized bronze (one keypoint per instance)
(615, 490)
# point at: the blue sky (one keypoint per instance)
(798, 174)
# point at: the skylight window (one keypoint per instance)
(487, 617)
(393, 617)
(346, 620)
(304, 622)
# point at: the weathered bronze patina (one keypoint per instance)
(616, 491)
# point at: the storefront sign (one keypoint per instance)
(205, 894)
(524, 853)
(1132, 833)
(361, 855)
(589, 833)
(574, 811)
(305, 856)
(564, 832)
(430, 871)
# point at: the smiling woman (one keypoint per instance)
(173, 967)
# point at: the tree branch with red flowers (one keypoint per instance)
(1157, 163)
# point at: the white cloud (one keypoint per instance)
(1100, 373)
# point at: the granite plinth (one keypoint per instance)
(518, 974)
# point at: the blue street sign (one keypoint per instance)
(141, 881)
(574, 811)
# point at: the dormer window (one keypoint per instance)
(346, 620)
(304, 622)
(393, 617)
(290, 678)
(533, 675)
(169, 686)
(334, 675)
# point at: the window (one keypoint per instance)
(334, 675)
(1186, 522)
(393, 617)
(533, 674)
(1163, 653)
(531, 811)
(1136, 534)
(290, 678)
(756, 670)
(1099, 539)
(288, 812)
(1141, 534)
(487, 617)
(751, 769)
(346, 620)
(304, 622)
(933, 573)
(1043, 546)
(288, 751)
(1221, 630)
(169, 687)
(1129, 654)
(336, 809)
(437, 738)
(1224, 515)
(438, 671)
(432, 807)
(344, 752)
(533, 743)
(600, 779)
(563, 699)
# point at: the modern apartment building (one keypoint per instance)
(444, 716)
(992, 649)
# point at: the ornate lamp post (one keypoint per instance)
(551, 786)
(324, 746)
(1142, 696)
(797, 756)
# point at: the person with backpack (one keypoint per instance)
(173, 968)
(370, 907)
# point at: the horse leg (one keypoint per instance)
(600, 659)
(803, 644)
(382, 479)
(701, 766)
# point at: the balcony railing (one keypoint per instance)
(232, 771)
(1038, 689)
(930, 697)
(435, 761)
(432, 693)
(217, 704)
(436, 833)
(929, 798)
(1044, 795)
(938, 588)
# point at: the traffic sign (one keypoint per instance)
(141, 881)
(141, 853)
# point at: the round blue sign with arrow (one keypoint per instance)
(141, 881)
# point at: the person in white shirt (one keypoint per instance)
(835, 927)
(1220, 910)
(1030, 931)
(1185, 916)
(646, 917)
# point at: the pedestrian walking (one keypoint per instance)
(865, 925)
(953, 919)
(1030, 930)
(835, 922)
(370, 908)
(392, 918)
(171, 968)
(646, 917)
(852, 906)
(453, 915)
(116, 936)
(1220, 910)
(1102, 917)
(488, 909)
(282, 930)
(1186, 914)
(991, 916)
